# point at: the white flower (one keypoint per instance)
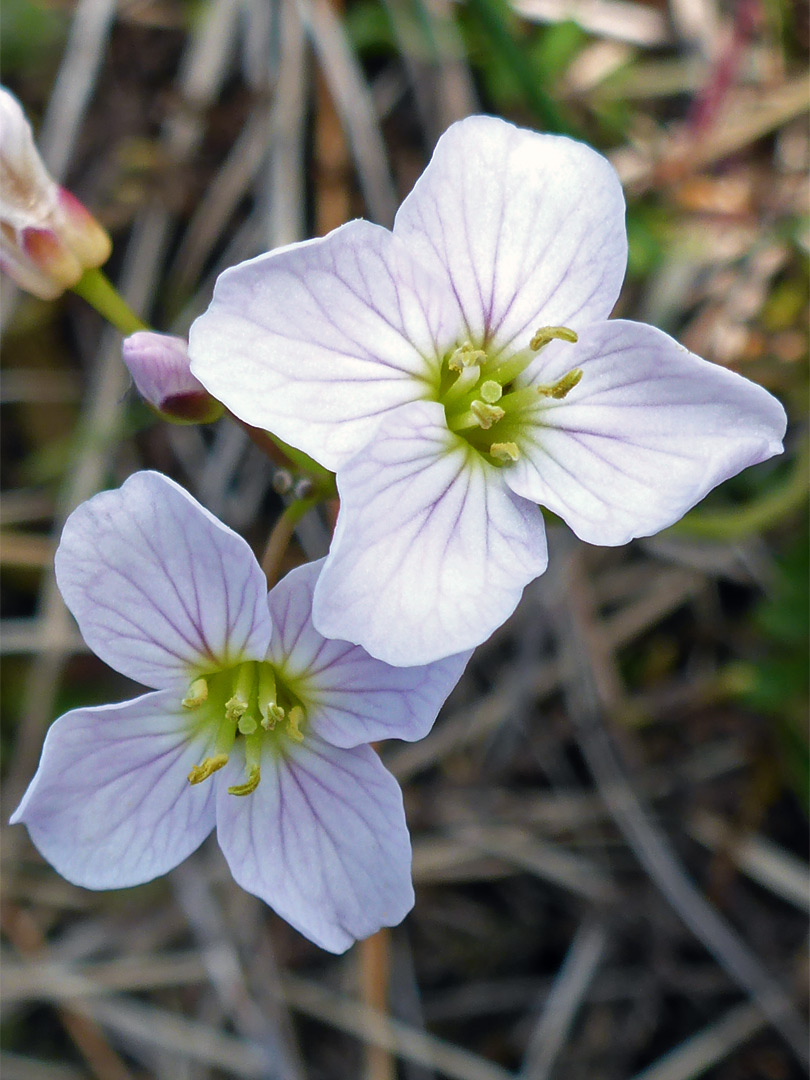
(460, 371)
(47, 238)
(258, 725)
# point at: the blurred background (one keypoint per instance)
(609, 819)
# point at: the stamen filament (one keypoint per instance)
(510, 369)
(519, 399)
(253, 757)
(476, 417)
(271, 712)
(466, 381)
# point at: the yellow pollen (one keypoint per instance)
(235, 708)
(549, 333)
(504, 451)
(485, 414)
(273, 715)
(465, 356)
(206, 767)
(295, 717)
(562, 386)
(197, 695)
(250, 785)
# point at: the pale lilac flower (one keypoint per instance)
(258, 725)
(159, 366)
(47, 238)
(460, 371)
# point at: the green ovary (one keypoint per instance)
(250, 701)
(481, 403)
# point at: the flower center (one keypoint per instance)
(249, 701)
(481, 402)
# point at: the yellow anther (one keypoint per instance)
(197, 695)
(550, 333)
(465, 356)
(562, 386)
(272, 715)
(206, 767)
(295, 717)
(491, 391)
(504, 451)
(235, 708)
(486, 415)
(250, 785)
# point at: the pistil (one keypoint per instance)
(243, 701)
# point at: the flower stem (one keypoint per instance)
(281, 534)
(96, 288)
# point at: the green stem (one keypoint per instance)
(281, 536)
(96, 288)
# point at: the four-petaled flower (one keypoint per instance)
(461, 370)
(258, 724)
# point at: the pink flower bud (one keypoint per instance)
(47, 238)
(159, 367)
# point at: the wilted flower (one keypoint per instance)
(460, 371)
(159, 366)
(47, 238)
(258, 724)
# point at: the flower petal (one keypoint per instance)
(647, 432)
(110, 804)
(351, 698)
(322, 840)
(431, 550)
(160, 588)
(318, 340)
(528, 228)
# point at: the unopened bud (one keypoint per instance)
(159, 366)
(47, 238)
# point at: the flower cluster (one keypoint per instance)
(456, 374)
